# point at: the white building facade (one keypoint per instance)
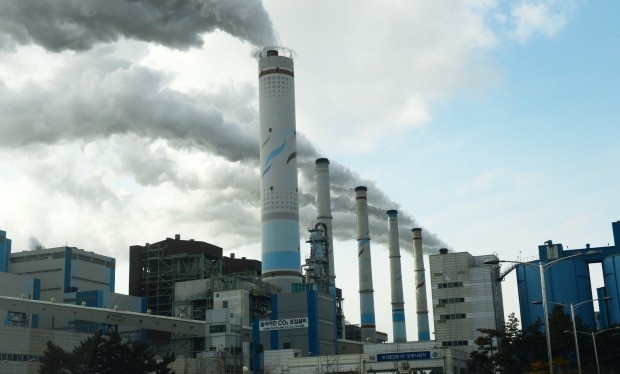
(467, 296)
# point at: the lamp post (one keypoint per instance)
(572, 317)
(541, 268)
(593, 335)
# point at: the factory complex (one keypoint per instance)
(279, 314)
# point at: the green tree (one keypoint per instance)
(99, 354)
(55, 360)
(509, 350)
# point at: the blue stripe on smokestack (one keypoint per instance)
(398, 315)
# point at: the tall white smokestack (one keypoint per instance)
(278, 166)
(323, 202)
(367, 301)
(398, 303)
(420, 286)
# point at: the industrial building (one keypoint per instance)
(5, 251)
(567, 281)
(467, 295)
(69, 275)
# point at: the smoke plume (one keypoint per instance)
(97, 96)
(78, 25)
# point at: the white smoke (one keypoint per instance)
(78, 25)
(96, 96)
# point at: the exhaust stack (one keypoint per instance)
(398, 303)
(278, 167)
(367, 301)
(420, 286)
(323, 202)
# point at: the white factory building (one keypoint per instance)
(467, 295)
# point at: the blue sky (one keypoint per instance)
(492, 124)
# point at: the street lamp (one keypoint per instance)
(572, 317)
(593, 335)
(541, 268)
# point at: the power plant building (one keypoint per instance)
(567, 281)
(63, 272)
(5, 251)
(467, 296)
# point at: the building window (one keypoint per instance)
(216, 329)
(454, 343)
(444, 317)
(452, 300)
(450, 285)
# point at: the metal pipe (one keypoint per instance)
(543, 288)
(572, 317)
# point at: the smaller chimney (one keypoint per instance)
(177, 236)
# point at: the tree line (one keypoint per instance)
(104, 354)
(513, 350)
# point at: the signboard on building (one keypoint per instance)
(408, 356)
(283, 324)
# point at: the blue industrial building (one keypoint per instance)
(568, 282)
(5, 251)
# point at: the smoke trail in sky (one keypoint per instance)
(78, 25)
(97, 96)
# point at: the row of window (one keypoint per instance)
(41, 271)
(450, 285)
(19, 357)
(36, 257)
(445, 317)
(217, 329)
(454, 343)
(452, 300)
(50, 289)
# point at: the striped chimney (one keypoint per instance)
(281, 259)
(323, 202)
(398, 302)
(420, 286)
(367, 301)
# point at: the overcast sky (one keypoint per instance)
(491, 124)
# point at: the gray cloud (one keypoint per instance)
(78, 25)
